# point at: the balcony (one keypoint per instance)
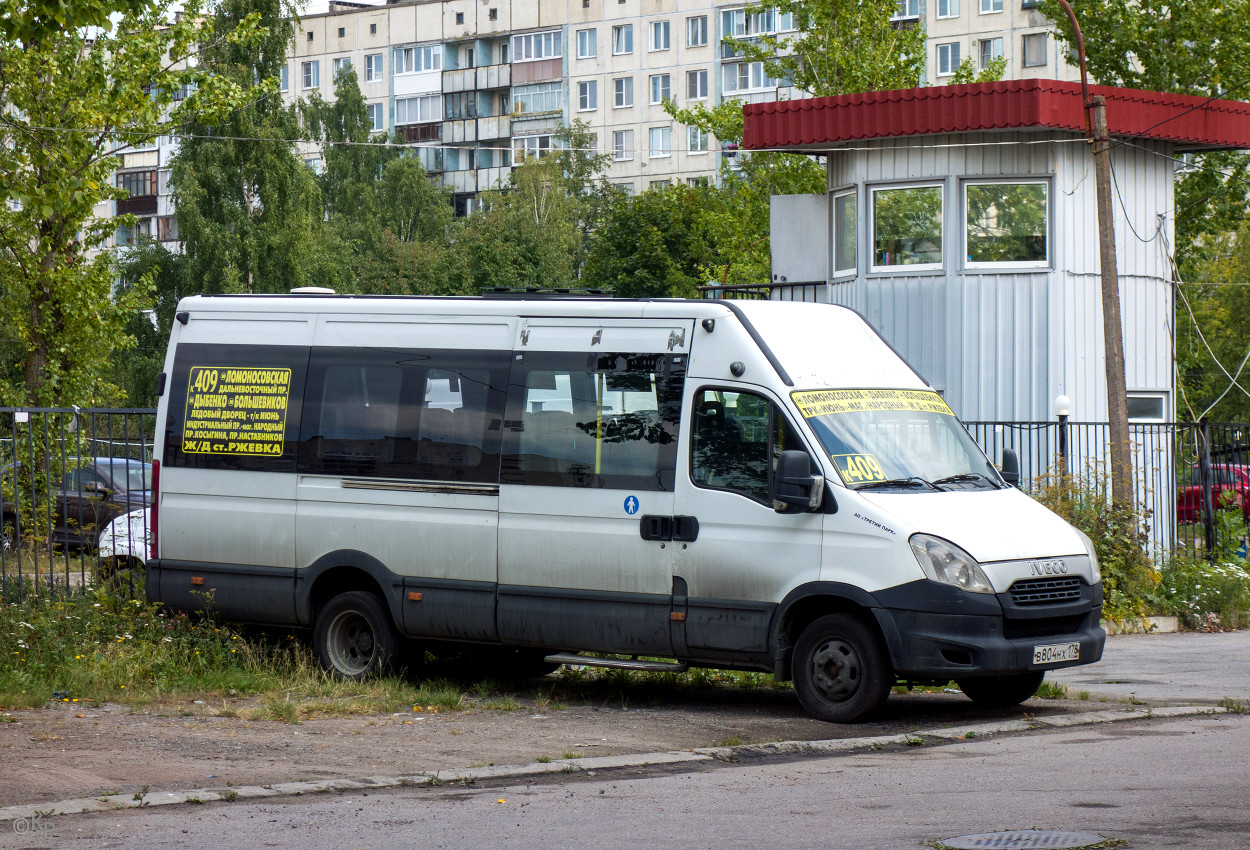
(141, 205)
(474, 79)
(475, 180)
(416, 133)
(476, 129)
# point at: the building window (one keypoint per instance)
(696, 31)
(493, 14)
(622, 39)
(284, 78)
(948, 8)
(377, 116)
(1035, 50)
(622, 145)
(660, 88)
(340, 63)
(907, 227)
(587, 44)
(696, 140)
(342, 32)
(310, 37)
(460, 17)
(702, 181)
(537, 46)
(312, 74)
(990, 6)
(373, 67)
(167, 229)
(1146, 407)
(845, 243)
(541, 97)
(622, 92)
(746, 76)
(373, 29)
(661, 141)
(536, 146)
(460, 105)
(736, 23)
(659, 185)
(137, 183)
(588, 95)
(1006, 223)
(947, 59)
(414, 60)
(991, 49)
(909, 9)
(659, 35)
(696, 84)
(418, 110)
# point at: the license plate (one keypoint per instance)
(1053, 653)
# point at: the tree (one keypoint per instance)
(248, 209)
(651, 245)
(81, 84)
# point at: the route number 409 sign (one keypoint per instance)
(236, 411)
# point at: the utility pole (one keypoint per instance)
(1112, 327)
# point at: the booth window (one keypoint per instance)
(1006, 223)
(907, 227)
(845, 259)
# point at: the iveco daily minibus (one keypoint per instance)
(747, 485)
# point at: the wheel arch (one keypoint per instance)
(808, 602)
(341, 571)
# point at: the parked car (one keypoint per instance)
(92, 493)
(1225, 478)
(124, 543)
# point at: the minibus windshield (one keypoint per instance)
(905, 440)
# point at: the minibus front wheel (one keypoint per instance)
(842, 671)
(354, 637)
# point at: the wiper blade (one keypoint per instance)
(912, 481)
(967, 476)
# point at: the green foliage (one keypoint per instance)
(248, 209)
(651, 245)
(113, 69)
(1205, 595)
(838, 46)
(1120, 536)
(967, 72)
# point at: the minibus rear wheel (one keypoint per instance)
(841, 669)
(1002, 691)
(354, 637)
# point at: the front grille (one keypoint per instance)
(1016, 629)
(1046, 591)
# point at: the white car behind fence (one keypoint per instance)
(124, 542)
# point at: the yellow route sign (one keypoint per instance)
(857, 469)
(822, 402)
(236, 411)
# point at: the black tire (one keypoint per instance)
(354, 636)
(1002, 691)
(842, 669)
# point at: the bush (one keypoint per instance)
(1121, 536)
(1205, 595)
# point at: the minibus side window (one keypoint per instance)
(425, 415)
(735, 442)
(594, 420)
(235, 407)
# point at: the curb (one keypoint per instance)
(702, 755)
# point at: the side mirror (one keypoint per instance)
(1011, 467)
(97, 489)
(794, 485)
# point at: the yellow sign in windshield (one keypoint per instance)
(236, 411)
(822, 402)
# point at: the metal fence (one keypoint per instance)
(66, 474)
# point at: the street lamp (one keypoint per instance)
(1063, 405)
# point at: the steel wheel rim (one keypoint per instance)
(351, 643)
(837, 670)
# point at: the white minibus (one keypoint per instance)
(749, 485)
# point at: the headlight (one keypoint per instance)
(946, 563)
(1094, 572)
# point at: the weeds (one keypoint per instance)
(1233, 706)
(1053, 690)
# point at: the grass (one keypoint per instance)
(99, 644)
(1053, 690)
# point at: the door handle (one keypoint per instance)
(685, 529)
(652, 527)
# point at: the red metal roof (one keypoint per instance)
(1190, 122)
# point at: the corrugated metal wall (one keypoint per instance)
(1001, 345)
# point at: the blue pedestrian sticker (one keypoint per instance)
(631, 505)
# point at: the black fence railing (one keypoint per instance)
(73, 479)
(69, 477)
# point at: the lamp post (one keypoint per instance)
(1063, 405)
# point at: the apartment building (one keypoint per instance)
(474, 85)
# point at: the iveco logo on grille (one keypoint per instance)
(1048, 568)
